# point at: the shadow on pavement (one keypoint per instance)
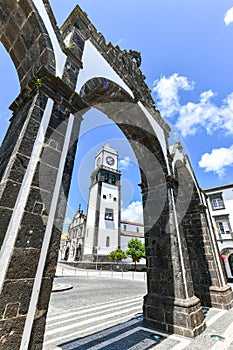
(128, 335)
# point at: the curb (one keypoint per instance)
(60, 287)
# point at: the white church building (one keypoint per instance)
(93, 236)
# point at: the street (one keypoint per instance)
(105, 313)
(92, 305)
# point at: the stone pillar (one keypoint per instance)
(209, 279)
(170, 304)
(33, 194)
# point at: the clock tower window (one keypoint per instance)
(106, 177)
(108, 214)
(113, 178)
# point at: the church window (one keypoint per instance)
(107, 241)
(108, 214)
(125, 227)
(114, 198)
(137, 229)
(104, 196)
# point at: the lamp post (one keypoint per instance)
(96, 261)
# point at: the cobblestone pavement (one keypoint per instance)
(113, 320)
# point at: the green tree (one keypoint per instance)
(117, 255)
(136, 250)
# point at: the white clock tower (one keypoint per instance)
(103, 216)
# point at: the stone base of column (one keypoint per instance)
(221, 297)
(180, 316)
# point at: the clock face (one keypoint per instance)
(110, 160)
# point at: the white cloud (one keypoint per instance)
(123, 163)
(227, 113)
(207, 115)
(167, 93)
(192, 116)
(228, 18)
(133, 212)
(205, 96)
(217, 160)
(203, 114)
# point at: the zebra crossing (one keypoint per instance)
(117, 325)
(67, 325)
(109, 326)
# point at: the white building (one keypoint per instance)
(93, 236)
(103, 214)
(130, 230)
(72, 243)
(220, 204)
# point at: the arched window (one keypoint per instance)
(106, 177)
(113, 177)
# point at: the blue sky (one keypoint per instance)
(187, 56)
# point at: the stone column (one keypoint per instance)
(209, 279)
(33, 194)
(170, 304)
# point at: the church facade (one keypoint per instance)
(93, 236)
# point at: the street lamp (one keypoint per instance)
(96, 261)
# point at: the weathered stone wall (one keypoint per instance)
(29, 238)
(80, 28)
(24, 37)
(24, 238)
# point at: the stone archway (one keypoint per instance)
(37, 158)
(28, 52)
(162, 242)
